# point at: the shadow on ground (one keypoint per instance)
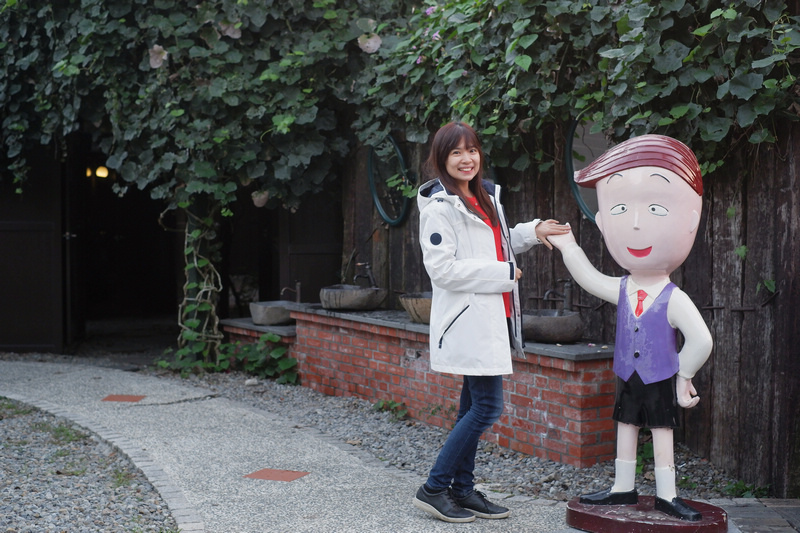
(128, 343)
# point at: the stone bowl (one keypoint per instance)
(552, 326)
(352, 297)
(418, 306)
(269, 313)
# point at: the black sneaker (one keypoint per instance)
(476, 503)
(442, 506)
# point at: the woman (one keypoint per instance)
(468, 252)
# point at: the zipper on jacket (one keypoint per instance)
(441, 339)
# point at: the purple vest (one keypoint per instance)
(645, 344)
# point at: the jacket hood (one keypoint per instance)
(433, 190)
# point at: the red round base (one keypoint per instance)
(642, 518)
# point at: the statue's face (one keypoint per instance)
(648, 217)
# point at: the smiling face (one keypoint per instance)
(648, 217)
(463, 163)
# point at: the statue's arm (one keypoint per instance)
(583, 272)
(684, 316)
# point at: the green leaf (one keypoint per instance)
(767, 61)
(204, 169)
(714, 128)
(702, 31)
(526, 40)
(523, 61)
(760, 136)
(671, 57)
(746, 85)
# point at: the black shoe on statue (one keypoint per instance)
(442, 506)
(679, 509)
(606, 497)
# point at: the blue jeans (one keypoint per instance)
(481, 406)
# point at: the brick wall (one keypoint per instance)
(555, 408)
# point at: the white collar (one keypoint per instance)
(652, 290)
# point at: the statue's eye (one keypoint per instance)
(619, 209)
(658, 210)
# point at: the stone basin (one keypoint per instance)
(552, 326)
(418, 306)
(270, 313)
(352, 297)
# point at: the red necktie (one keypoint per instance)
(640, 296)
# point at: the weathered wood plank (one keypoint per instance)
(696, 274)
(725, 188)
(785, 430)
(756, 394)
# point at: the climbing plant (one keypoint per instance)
(196, 101)
(191, 101)
(716, 75)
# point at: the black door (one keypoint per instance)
(31, 281)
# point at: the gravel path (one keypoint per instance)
(55, 476)
(413, 445)
(58, 477)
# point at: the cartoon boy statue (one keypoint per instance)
(649, 202)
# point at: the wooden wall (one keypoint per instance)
(748, 419)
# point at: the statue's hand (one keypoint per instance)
(687, 395)
(561, 240)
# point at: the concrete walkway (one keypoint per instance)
(224, 467)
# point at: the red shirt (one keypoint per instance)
(498, 246)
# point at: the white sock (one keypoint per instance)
(665, 483)
(624, 476)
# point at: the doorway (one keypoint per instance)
(128, 259)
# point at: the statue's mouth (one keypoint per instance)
(644, 252)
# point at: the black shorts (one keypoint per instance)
(646, 406)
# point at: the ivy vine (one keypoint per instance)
(194, 102)
(712, 76)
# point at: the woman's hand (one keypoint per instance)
(518, 274)
(562, 240)
(550, 227)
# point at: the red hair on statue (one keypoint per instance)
(645, 151)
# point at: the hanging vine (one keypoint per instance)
(198, 100)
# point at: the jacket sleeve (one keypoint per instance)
(523, 236)
(439, 244)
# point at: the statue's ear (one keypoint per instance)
(695, 221)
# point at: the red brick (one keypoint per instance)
(580, 439)
(597, 426)
(516, 399)
(523, 448)
(553, 456)
(607, 388)
(555, 397)
(600, 400)
(504, 430)
(311, 341)
(557, 422)
(580, 389)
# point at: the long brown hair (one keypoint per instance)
(445, 141)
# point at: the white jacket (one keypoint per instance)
(469, 333)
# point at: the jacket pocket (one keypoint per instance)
(450, 325)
